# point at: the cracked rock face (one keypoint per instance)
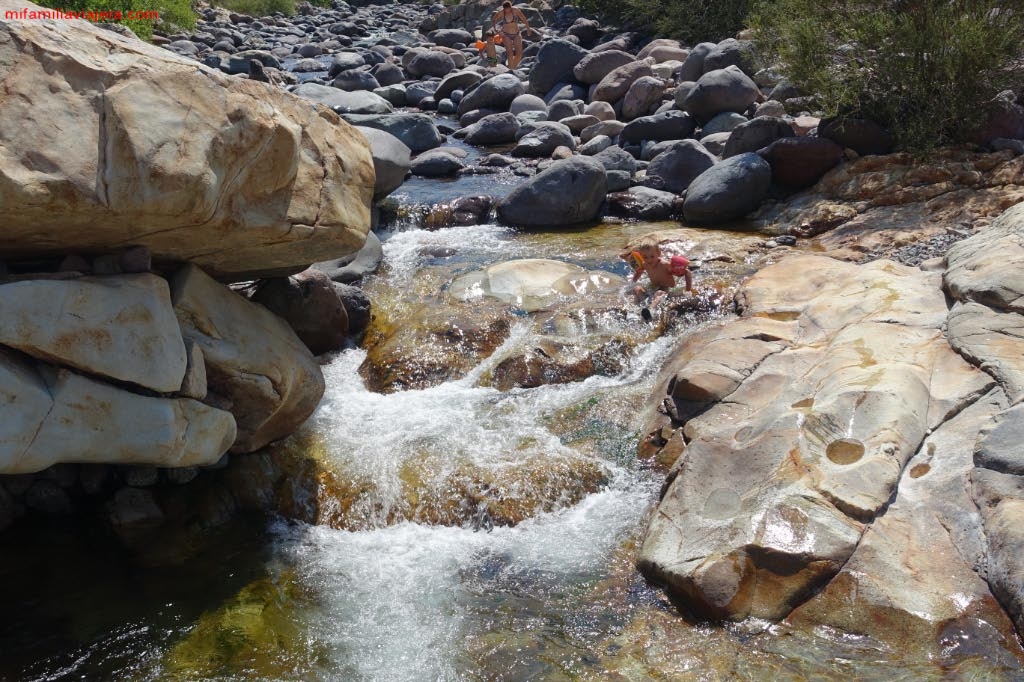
(108, 141)
(983, 275)
(827, 387)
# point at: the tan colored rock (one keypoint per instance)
(142, 147)
(992, 340)
(778, 482)
(956, 190)
(59, 416)
(912, 582)
(988, 268)
(253, 358)
(121, 327)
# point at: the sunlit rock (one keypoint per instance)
(913, 580)
(254, 360)
(53, 416)
(531, 283)
(815, 423)
(118, 327)
(155, 149)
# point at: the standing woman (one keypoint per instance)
(507, 20)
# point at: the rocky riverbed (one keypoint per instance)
(830, 419)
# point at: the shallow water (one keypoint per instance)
(553, 598)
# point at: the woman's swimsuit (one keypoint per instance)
(505, 22)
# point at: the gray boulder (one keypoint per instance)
(731, 52)
(727, 89)
(436, 163)
(680, 165)
(354, 80)
(724, 122)
(493, 129)
(448, 37)
(355, 266)
(643, 203)
(417, 131)
(668, 125)
(693, 67)
(555, 62)
(430, 63)
(543, 139)
(494, 93)
(756, 134)
(460, 80)
(570, 191)
(616, 158)
(527, 102)
(728, 190)
(391, 160)
(344, 102)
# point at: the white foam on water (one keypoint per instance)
(393, 602)
(397, 602)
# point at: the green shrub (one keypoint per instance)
(690, 22)
(173, 13)
(923, 68)
(259, 8)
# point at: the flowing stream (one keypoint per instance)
(392, 598)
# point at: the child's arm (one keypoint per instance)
(689, 279)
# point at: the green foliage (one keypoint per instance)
(690, 22)
(259, 8)
(923, 68)
(172, 13)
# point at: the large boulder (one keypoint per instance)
(728, 190)
(807, 415)
(756, 134)
(310, 305)
(254, 361)
(55, 415)
(799, 162)
(391, 160)
(493, 129)
(679, 165)
(342, 101)
(543, 139)
(596, 65)
(615, 85)
(430, 63)
(158, 150)
(642, 97)
(667, 125)
(460, 80)
(727, 89)
(120, 327)
(859, 134)
(731, 52)
(418, 132)
(494, 93)
(555, 62)
(568, 192)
